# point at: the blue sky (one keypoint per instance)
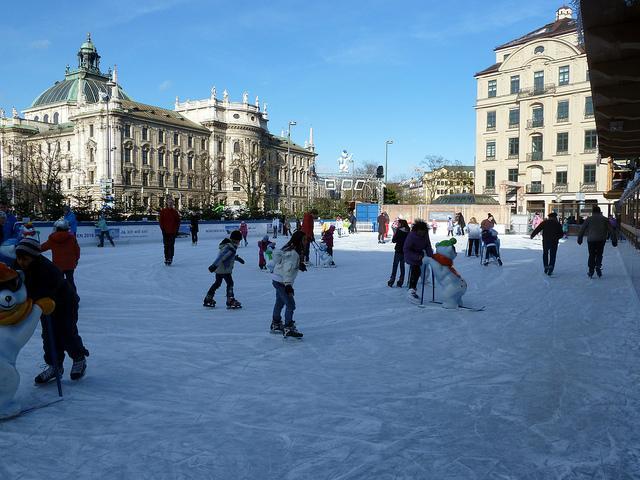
(359, 72)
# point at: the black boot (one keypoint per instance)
(209, 301)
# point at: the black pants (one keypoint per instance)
(306, 249)
(105, 233)
(398, 260)
(68, 275)
(169, 241)
(194, 236)
(491, 251)
(549, 251)
(474, 244)
(414, 275)
(219, 278)
(596, 249)
(64, 323)
(330, 250)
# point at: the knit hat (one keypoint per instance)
(236, 235)
(265, 238)
(29, 246)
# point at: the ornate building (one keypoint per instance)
(536, 142)
(99, 142)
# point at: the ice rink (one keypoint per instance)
(543, 384)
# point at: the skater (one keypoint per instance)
(551, 235)
(275, 226)
(104, 231)
(263, 246)
(416, 246)
(64, 249)
(387, 222)
(223, 268)
(382, 227)
(449, 226)
(490, 219)
(597, 229)
(434, 226)
(339, 225)
(43, 279)
(244, 230)
(565, 228)
(70, 217)
(194, 227)
(474, 231)
(169, 225)
(307, 228)
(491, 243)
(536, 221)
(327, 238)
(286, 227)
(399, 238)
(461, 223)
(286, 264)
(353, 220)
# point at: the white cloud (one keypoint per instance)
(165, 85)
(40, 44)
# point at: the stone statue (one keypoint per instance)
(213, 92)
(257, 103)
(264, 107)
(2, 114)
(343, 161)
(14, 112)
(245, 98)
(225, 96)
(177, 100)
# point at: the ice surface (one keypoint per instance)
(543, 384)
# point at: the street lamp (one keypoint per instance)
(291, 123)
(386, 157)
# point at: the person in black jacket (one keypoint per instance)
(44, 279)
(194, 228)
(398, 257)
(551, 234)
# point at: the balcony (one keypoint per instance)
(535, 123)
(588, 114)
(535, 188)
(562, 120)
(489, 190)
(534, 157)
(513, 156)
(490, 158)
(588, 187)
(537, 90)
(560, 188)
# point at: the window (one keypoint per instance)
(190, 162)
(539, 49)
(36, 118)
(491, 120)
(91, 176)
(176, 139)
(514, 117)
(493, 88)
(203, 143)
(161, 180)
(538, 82)
(127, 177)
(176, 181)
(236, 176)
(145, 179)
(161, 158)
(512, 175)
(161, 136)
(537, 119)
(491, 178)
(91, 156)
(161, 201)
(563, 75)
(45, 119)
(145, 156)
(190, 141)
(514, 147)
(189, 182)
(145, 133)
(127, 155)
(91, 130)
(561, 177)
(56, 118)
(176, 160)
(515, 84)
(127, 131)
(562, 143)
(236, 147)
(590, 173)
(590, 140)
(491, 150)
(588, 107)
(220, 147)
(587, 76)
(68, 184)
(563, 111)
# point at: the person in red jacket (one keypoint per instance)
(169, 224)
(307, 227)
(65, 250)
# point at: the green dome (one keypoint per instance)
(67, 91)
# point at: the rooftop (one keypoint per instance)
(465, 199)
(159, 115)
(556, 28)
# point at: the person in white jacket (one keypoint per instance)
(286, 264)
(474, 231)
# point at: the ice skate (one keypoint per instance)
(390, 283)
(209, 302)
(413, 296)
(399, 284)
(78, 369)
(277, 327)
(499, 262)
(599, 272)
(47, 375)
(291, 331)
(232, 303)
(590, 273)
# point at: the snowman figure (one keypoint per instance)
(343, 161)
(19, 316)
(453, 285)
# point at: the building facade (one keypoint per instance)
(100, 143)
(445, 180)
(536, 142)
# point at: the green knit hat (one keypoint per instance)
(447, 243)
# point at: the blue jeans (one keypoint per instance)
(283, 299)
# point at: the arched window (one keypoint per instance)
(45, 119)
(236, 147)
(56, 118)
(538, 49)
(36, 118)
(236, 202)
(236, 176)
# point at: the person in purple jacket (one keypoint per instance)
(416, 246)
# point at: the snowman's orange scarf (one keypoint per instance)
(17, 314)
(445, 262)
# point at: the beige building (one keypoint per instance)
(535, 132)
(93, 139)
(446, 180)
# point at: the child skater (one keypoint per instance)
(327, 238)
(491, 243)
(263, 246)
(244, 230)
(223, 267)
(398, 257)
(286, 263)
(65, 250)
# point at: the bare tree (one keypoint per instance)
(440, 173)
(248, 172)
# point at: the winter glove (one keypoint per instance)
(302, 267)
(579, 240)
(288, 289)
(239, 259)
(212, 268)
